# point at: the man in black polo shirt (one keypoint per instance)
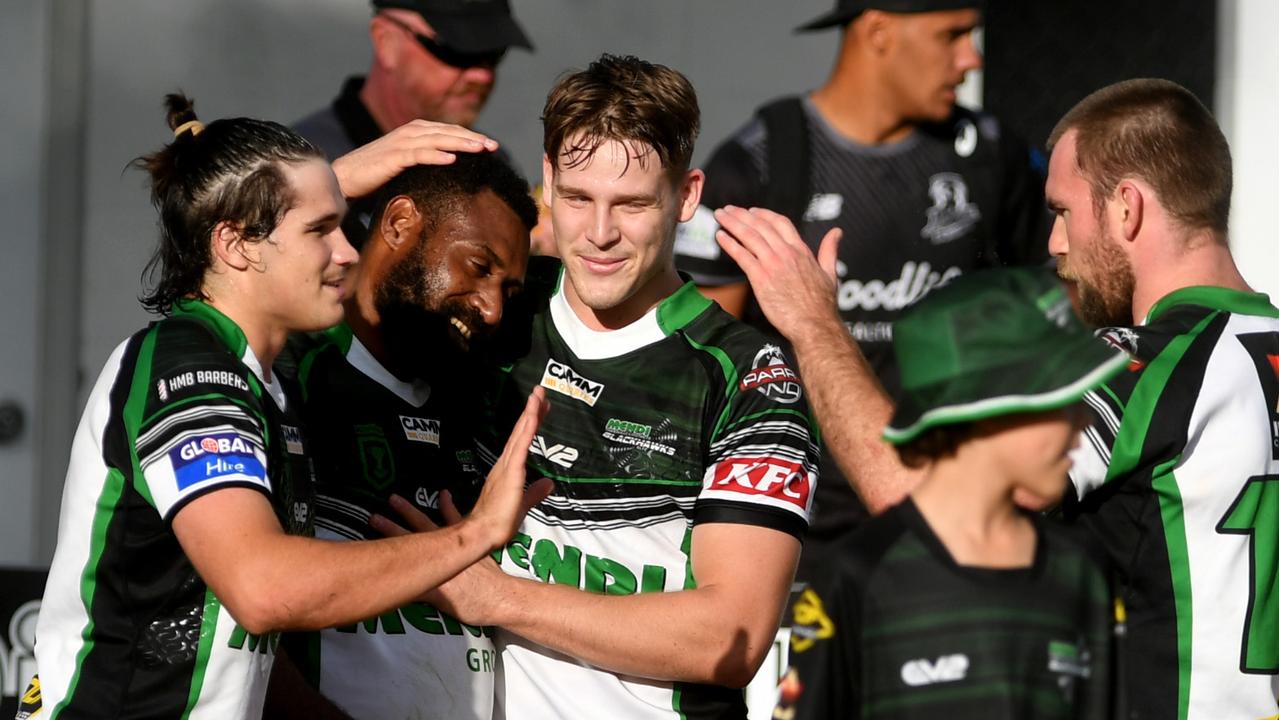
(433, 60)
(923, 190)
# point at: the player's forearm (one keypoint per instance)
(852, 410)
(689, 636)
(301, 583)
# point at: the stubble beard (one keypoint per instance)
(1105, 300)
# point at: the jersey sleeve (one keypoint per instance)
(732, 178)
(825, 665)
(1105, 405)
(762, 468)
(200, 427)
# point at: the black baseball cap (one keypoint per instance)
(846, 10)
(471, 26)
(991, 343)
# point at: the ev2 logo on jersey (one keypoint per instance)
(561, 455)
(947, 668)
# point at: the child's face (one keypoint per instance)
(1034, 450)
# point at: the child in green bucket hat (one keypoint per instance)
(958, 602)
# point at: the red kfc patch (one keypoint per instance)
(779, 479)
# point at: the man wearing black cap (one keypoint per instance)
(924, 190)
(433, 60)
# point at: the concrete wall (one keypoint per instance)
(1247, 106)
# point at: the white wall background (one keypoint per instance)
(1247, 106)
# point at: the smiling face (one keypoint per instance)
(1088, 253)
(931, 53)
(614, 216)
(453, 282)
(304, 262)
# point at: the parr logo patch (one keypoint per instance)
(421, 429)
(562, 379)
(209, 457)
(947, 668)
(292, 439)
(561, 455)
(772, 377)
(772, 477)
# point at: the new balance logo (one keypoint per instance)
(561, 455)
(947, 668)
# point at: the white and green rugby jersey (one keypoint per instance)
(685, 416)
(1178, 476)
(127, 628)
(374, 434)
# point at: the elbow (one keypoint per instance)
(736, 667)
(254, 611)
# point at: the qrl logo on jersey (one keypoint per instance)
(772, 377)
(561, 378)
(779, 479)
(421, 429)
(561, 455)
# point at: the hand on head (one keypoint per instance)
(419, 142)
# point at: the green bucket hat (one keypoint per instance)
(993, 343)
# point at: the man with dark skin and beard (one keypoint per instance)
(386, 400)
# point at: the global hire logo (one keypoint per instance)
(421, 429)
(561, 378)
(947, 668)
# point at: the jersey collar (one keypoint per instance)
(225, 329)
(414, 393)
(1217, 298)
(670, 315)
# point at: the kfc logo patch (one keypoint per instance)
(772, 377)
(782, 480)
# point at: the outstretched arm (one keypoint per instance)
(716, 633)
(272, 581)
(796, 292)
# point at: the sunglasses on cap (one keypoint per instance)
(447, 55)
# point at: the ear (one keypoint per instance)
(548, 179)
(385, 38)
(875, 28)
(1129, 205)
(231, 248)
(690, 192)
(401, 223)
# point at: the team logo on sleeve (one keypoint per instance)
(208, 457)
(292, 439)
(772, 377)
(421, 429)
(562, 379)
(782, 481)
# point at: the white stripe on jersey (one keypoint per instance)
(1103, 410)
(193, 415)
(780, 427)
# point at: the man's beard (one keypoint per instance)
(1105, 300)
(419, 338)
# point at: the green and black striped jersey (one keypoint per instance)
(127, 627)
(894, 628)
(1178, 476)
(374, 434)
(686, 416)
